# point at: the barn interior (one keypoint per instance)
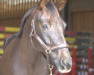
(79, 33)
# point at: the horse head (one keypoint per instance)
(48, 29)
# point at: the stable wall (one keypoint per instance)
(81, 15)
(10, 20)
(81, 18)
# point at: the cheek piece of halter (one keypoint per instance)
(47, 49)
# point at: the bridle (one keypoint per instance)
(47, 49)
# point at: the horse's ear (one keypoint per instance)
(42, 4)
(60, 4)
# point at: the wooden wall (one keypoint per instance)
(10, 22)
(81, 18)
(83, 21)
(81, 15)
(11, 13)
(17, 6)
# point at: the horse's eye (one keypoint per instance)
(45, 26)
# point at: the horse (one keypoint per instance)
(40, 44)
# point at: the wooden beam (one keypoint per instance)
(81, 5)
(9, 16)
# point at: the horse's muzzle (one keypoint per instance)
(65, 67)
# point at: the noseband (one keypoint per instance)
(47, 48)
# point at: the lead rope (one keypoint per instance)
(50, 67)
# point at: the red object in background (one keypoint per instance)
(66, 74)
(82, 60)
(73, 61)
(89, 60)
(55, 72)
(2, 28)
(58, 74)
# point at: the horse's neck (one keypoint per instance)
(32, 60)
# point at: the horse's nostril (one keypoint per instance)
(68, 66)
(63, 64)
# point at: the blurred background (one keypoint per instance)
(79, 16)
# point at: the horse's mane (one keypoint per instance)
(8, 40)
(19, 34)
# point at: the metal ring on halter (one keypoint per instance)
(47, 51)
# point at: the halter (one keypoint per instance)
(47, 48)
